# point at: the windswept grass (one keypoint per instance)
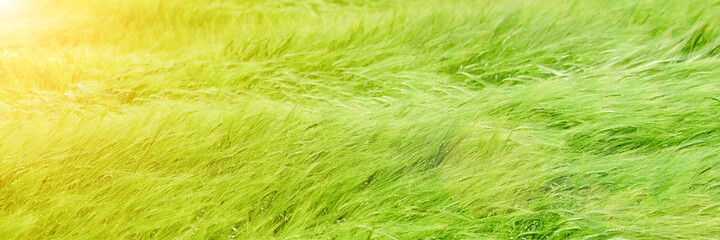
(356, 119)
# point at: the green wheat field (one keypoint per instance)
(359, 119)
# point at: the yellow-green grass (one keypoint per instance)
(357, 119)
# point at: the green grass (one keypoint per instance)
(357, 119)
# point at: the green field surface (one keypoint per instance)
(359, 119)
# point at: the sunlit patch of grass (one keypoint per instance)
(363, 119)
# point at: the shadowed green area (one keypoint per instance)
(360, 119)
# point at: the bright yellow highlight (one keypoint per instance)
(7, 5)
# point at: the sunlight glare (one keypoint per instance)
(9, 9)
(7, 5)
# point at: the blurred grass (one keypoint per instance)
(359, 119)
